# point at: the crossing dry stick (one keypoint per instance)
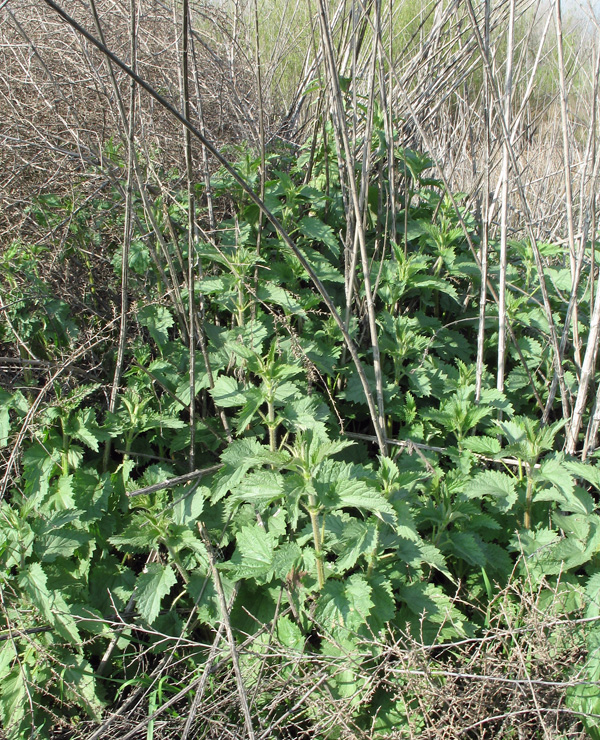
(374, 414)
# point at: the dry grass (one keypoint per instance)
(59, 114)
(59, 110)
(511, 681)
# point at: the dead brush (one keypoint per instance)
(512, 681)
(447, 83)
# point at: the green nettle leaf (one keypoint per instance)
(74, 456)
(51, 604)
(285, 392)
(62, 497)
(531, 543)
(14, 692)
(499, 486)
(76, 397)
(289, 635)
(517, 379)
(419, 282)
(64, 622)
(315, 229)
(483, 445)
(576, 525)
(553, 471)
(420, 382)
(389, 472)
(322, 266)
(345, 681)
(227, 392)
(344, 603)
(355, 393)
(9, 401)
(16, 537)
(4, 426)
(294, 491)
(254, 554)
(204, 595)
(271, 293)
(158, 320)
(259, 488)
(405, 526)
(151, 586)
(430, 555)
(60, 543)
(111, 584)
(254, 399)
(140, 535)
(360, 495)
(91, 494)
(590, 473)
(358, 538)
(319, 451)
(182, 537)
(153, 474)
(527, 440)
(585, 697)
(187, 509)
(78, 677)
(549, 554)
(33, 580)
(333, 528)
(182, 390)
(84, 427)
(568, 554)
(549, 494)
(429, 601)
(90, 620)
(384, 604)
(308, 412)
(459, 414)
(38, 465)
(238, 458)
(216, 285)
(358, 592)
(496, 399)
(466, 546)
(159, 421)
(277, 522)
(498, 559)
(557, 484)
(592, 592)
(286, 557)
(514, 432)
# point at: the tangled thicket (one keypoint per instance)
(445, 589)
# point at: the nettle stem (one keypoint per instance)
(65, 454)
(313, 511)
(178, 564)
(528, 497)
(271, 423)
(374, 552)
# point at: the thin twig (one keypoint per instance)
(171, 482)
(231, 639)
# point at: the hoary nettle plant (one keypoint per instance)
(301, 517)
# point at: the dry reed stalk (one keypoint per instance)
(340, 127)
(475, 682)
(507, 112)
(484, 249)
(191, 228)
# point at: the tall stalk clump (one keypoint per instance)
(298, 452)
(499, 75)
